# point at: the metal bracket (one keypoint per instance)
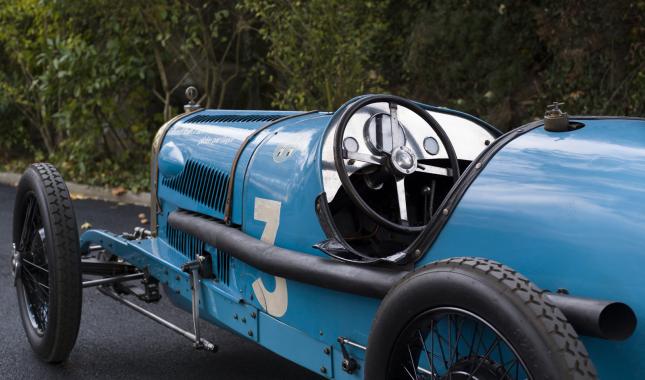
(349, 364)
(150, 291)
(150, 286)
(139, 233)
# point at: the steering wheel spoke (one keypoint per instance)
(394, 127)
(363, 157)
(431, 169)
(400, 196)
(389, 147)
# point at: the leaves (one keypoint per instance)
(86, 84)
(321, 51)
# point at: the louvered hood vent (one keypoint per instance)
(200, 119)
(189, 246)
(201, 183)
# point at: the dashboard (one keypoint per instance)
(365, 131)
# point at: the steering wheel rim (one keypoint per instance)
(339, 162)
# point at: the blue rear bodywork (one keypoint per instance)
(565, 209)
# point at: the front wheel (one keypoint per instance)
(470, 318)
(46, 262)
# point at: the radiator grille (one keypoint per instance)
(189, 245)
(223, 266)
(233, 118)
(186, 244)
(201, 183)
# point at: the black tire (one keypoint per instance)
(537, 331)
(51, 319)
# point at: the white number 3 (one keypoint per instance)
(275, 303)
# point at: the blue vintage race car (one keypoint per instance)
(386, 240)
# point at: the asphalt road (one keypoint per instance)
(116, 342)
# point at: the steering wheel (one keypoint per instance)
(398, 159)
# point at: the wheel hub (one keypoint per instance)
(476, 368)
(404, 160)
(15, 264)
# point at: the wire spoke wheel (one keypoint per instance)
(34, 267)
(468, 318)
(452, 343)
(46, 262)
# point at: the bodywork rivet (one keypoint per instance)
(323, 370)
(250, 332)
(326, 350)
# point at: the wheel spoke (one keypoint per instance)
(432, 367)
(35, 281)
(443, 355)
(428, 355)
(450, 344)
(400, 195)
(27, 225)
(414, 367)
(485, 358)
(45, 270)
(483, 352)
(34, 268)
(407, 371)
(515, 363)
(459, 331)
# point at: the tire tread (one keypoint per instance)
(65, 272)
(554, 322)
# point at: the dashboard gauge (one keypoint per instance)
(350, 144)
(378, 133)
(431, 145)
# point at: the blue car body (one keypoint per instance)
(566, 209)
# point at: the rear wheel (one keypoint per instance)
(46, 262)
(469, 319)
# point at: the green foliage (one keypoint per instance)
(473, 56)
(86, 84)
(77, 82)
(321, 52)
(506, 61)
(597, 55)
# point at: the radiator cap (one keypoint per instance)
(554, 119)
(192, 94)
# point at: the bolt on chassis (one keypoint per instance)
(386, 240)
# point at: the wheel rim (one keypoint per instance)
(34, 268)
(449, 343)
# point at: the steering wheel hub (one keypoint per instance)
(404, 160)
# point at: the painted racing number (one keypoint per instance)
(275, 303)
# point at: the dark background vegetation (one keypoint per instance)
(85, 84)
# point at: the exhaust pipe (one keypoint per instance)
(596, 318)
